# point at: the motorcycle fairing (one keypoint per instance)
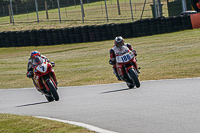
(40, 72)
(42, 68)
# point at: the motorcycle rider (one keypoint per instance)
(118, 49)
(34, 54)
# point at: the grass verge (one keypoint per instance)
(26, 124)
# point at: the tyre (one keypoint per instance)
(130, 85)
(134, 76)
(49, 98)
(53, 90)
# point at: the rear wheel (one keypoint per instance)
(134, 76)
(53, 90)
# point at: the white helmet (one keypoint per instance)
(119, 41)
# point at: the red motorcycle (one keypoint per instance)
(44, 78)
(127, 69)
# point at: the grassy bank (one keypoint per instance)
(26, 124)
(165, 56)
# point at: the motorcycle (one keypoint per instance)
(127, 69)
(44, 78)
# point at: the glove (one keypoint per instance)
(29, 74)
(111, 62)
(135, 53)
(53, 64)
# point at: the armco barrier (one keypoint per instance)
(93, 33)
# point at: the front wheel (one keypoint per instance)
(49, 98)
(130, 85)
(53, 90)
(134, 76)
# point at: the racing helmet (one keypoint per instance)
(119, 41)
(37, 60)
(34, 53)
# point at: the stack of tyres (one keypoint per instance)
(77, 32)
(66, 35)
(55, 36)
(91, 33)
(33, 38)
(61, 36)
(114, 30)
(152, 26)
(159, 25)
(133, 26)
(138, 28)
(50, 39)
(170, 25)
(109, 30)
(120, 30)
(127, 30)
(145, 27)
(85, 34)
(72, 35)
(177, 23)
(20, 39)
(164, 25)
(104, 32)
(97, 33)
(13, 38)
(186, 22)
(26, 38)
(7, 39)
(42, 37)
(2, 39)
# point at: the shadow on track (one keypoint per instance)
(32, 104)
(117, 90)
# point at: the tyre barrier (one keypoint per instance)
(170, 25)
(85, 34)
(97, 32)
(177, 23)
(152, 26)
(92, 33)
(49, 35)
(72, 36)
(145, 27)
(26, 38)
(104, 32)
(78, 35)
(66, 35)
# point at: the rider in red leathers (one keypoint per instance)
(118, 49)
(33, 55)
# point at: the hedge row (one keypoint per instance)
(93, 33)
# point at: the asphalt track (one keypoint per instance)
(162, 106)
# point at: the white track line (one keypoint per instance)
(89, 127)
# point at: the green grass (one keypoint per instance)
(26, 124)
(165, 56)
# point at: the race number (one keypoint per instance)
(124, 58)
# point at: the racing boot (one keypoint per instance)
(138, 71)
(116, 74)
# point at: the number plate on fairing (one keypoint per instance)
(42, 68)
(125, 58)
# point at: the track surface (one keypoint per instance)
(163, 106)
